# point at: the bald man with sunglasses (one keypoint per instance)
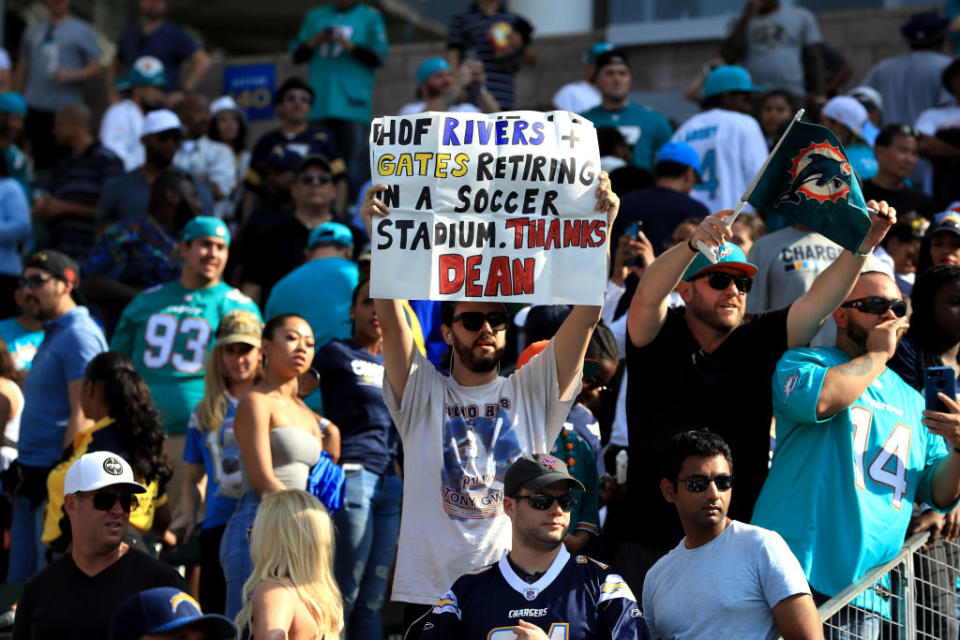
(76, 596)
(461, 432)
(855, 449)
(704, 364)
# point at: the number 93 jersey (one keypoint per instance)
(167, 331)
(577, 598)
(841, 489)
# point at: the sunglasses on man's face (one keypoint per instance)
(314, 178)
(542, 501)
(169, 136)
(473, 320)
(720, 280)
(297, 97)
(699, 483)
(877, 305)
(105, 500)
(35, 281)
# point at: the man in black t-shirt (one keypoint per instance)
(76, 596)
(896, 152)
(702, 365)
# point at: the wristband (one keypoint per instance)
(690, 245)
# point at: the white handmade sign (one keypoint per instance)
(488, 207)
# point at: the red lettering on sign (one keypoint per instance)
(474, 290)
(451, 273)
(523, 276)
(571, 233)
(553, 235)
(498, 279)
(518, 225)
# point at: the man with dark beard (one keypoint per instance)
(467, 428)
(702, 365)
(852, 452)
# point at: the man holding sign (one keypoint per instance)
(461, 432)
(703, 365)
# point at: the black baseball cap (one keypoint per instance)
(314, 160)
(613, 56)
(926, 27)
(536, 471)
(165, 609)
(288, 85)
(57, 264)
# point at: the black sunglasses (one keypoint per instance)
(473, 320)
(35, 281)
(542, 501)
(877, 305)
(169, 136)
(311, 178)
(720, 280)
(699, 483)
(105, 500)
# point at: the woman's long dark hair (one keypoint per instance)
(924, 332)
(240, 143)
(137, 423)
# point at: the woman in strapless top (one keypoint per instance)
(279, 438)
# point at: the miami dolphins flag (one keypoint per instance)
(808, 179)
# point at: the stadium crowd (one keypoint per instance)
(194, 375)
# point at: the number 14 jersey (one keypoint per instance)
(167, 331)
(841, 489)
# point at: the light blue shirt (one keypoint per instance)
(69, 343)
(841, 489)
(21, 342)
(14, 226)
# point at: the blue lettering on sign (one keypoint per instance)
(251, 86)
(458, 132)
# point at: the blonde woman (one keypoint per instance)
(292, 593)
(211, 452)
(279, 438)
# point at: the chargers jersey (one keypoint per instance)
(731, 149)
(167, 331)
(577, 597)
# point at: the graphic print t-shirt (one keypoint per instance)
(459, 442)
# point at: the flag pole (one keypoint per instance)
(710, 252)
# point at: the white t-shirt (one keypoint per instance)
(120, 132)
(458, 442)
(417, 107)
(928, 123)
(788, 262)
(724, 589)
(577, 96)
(731, 149)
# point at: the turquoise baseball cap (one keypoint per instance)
(732, 259)
(727, 78)
(429, 67)
(13, 102)
(203, 226)
(146, 71)
(330, 232)
(680, 152)
(596, 49)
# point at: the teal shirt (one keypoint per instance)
(168, 331)
(21, 342)
(862, 159)
(585, 515)
(19, 169)
(647, 130)
(343, 84)
(841, 490)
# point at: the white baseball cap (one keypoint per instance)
(847, 111)
(97, 470)
(160, 120)
(224, 103)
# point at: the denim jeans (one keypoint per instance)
(235, 552)
(27, 552)
(367, 529)
(853, 624)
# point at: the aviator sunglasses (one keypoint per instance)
(720, 280)
(877, 305)
(542, 501)
(473, 320)
(105, 500)
(699, 483)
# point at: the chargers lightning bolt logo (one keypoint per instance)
(819, 172)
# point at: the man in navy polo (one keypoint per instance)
(52, 390)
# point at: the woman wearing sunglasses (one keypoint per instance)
(117, 399)
(280, 441)
(291, 592)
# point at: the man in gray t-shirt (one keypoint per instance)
(776, 44)
(57, 56)
(745, 581)
(788, 262)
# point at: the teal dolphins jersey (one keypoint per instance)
(167, 331)
(841, 489)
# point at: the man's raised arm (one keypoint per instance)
(398, 344)
(831, 287)
(648, 309)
